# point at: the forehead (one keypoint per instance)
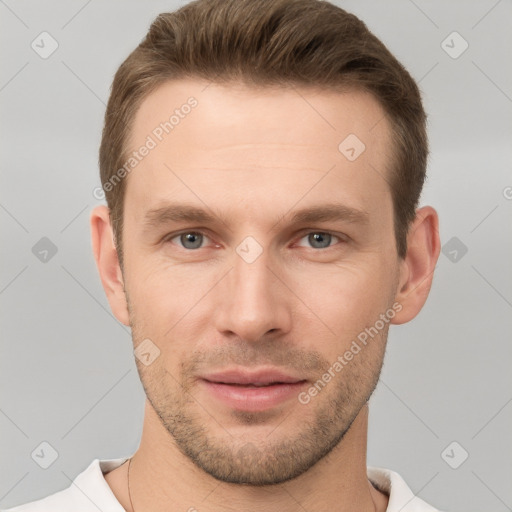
(249, 114)
(257, 138)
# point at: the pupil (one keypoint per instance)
(193, 239)
(323, 239)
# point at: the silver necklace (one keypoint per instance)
(129, 492)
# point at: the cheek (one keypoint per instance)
(167, 302)
(158, 286)
(348, 298)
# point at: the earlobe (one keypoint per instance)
(105, 255)
(417, 268)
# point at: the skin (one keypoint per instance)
(252, 157)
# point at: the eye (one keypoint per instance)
(319, 239)
(189, 239)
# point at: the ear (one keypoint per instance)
(417, 268)
(107, 261)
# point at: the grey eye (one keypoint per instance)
(191, 240)
(319, 240)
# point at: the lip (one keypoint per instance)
(262, 376)
(252, 390)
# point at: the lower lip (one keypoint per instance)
(251, 398)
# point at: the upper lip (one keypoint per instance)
(254, 376)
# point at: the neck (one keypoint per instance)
(161, 475)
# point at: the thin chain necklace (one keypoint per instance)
(130, 494)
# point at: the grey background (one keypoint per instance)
(67, 370)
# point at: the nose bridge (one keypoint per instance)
(251, 280)
(251, 305)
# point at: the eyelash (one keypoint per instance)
(303, 235)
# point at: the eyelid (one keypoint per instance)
(305, 232)
(171, 236)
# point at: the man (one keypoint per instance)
(262, 163)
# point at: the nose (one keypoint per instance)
(252, 301)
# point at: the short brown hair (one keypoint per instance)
(264, 43)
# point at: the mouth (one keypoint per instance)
(255, 390)
(252, 385)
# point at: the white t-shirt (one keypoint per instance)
(90, 492)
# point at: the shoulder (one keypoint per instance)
(89, 492)
(58, 502)
(400, 495)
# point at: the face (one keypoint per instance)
(256, 253)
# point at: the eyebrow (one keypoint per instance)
(330, 212)
(179, 212)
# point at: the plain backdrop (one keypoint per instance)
(68, 376)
